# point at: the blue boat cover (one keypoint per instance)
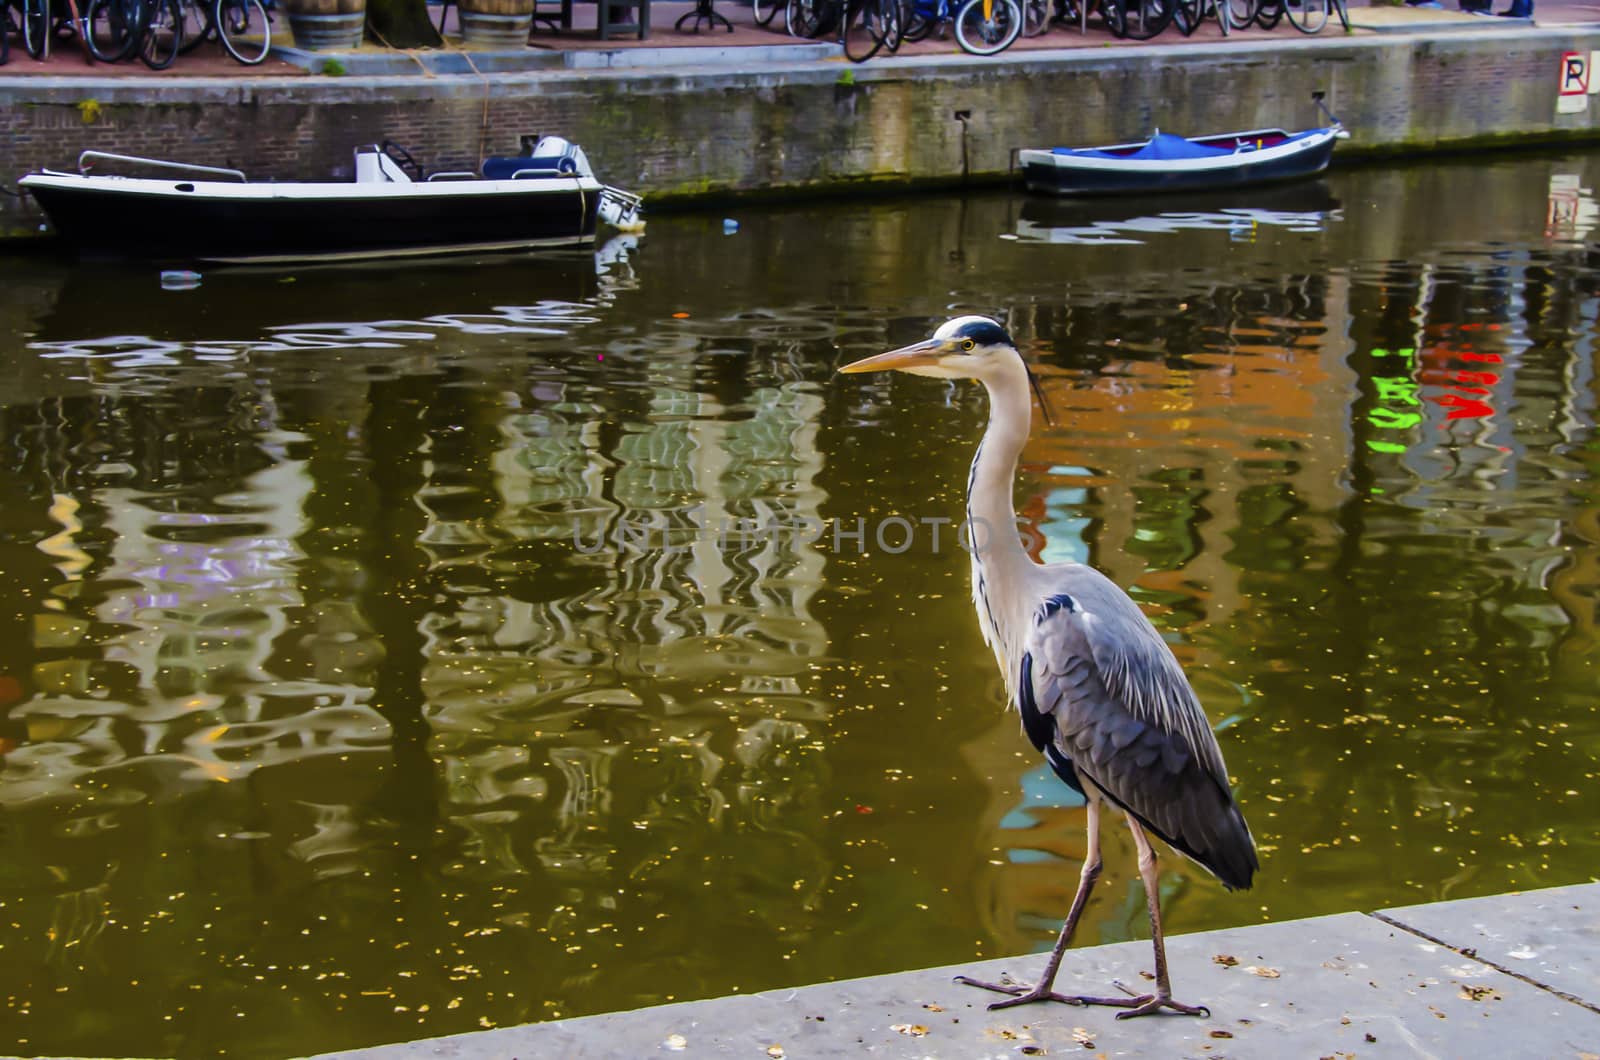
(1164, 147)
(502, 168)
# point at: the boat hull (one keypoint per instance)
(206, 221)
(1057, 173)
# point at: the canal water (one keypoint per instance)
(396, 652)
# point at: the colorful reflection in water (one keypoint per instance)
(384, 653)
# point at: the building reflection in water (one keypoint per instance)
(626, 730)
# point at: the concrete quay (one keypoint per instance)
(1515, 975)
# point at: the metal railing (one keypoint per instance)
(87, 157)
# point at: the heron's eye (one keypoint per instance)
(967, 344)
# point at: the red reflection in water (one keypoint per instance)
(1466, 393)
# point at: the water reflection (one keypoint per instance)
(396, 654)
(1301, 207)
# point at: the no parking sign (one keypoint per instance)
(1576, 82)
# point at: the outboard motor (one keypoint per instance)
(570, 156)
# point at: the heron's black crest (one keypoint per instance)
(984, 333)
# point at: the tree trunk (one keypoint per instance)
(401, 24)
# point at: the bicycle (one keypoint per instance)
(117, 29)
(1188, 14)
(1138, 19)
(41, 21)
(243, 27)
(882, 23)
(37, 27)
(1035, 17)
(983, 27)
(1307, 16)
(810, 19)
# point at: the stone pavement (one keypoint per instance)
(1515, 975)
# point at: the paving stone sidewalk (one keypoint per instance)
(1515, 975)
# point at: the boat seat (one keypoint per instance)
(526, 167)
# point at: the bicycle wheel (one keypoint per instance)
(858, 47)
(245, 29)
(809, 18)
(1035, 17)
(903, 14)
(113, 28)
(163, 34)
(197, 24)
(919, 21)
(1269, 13)
(981, 32)
(1242, 12)
(765, 10)
(36, 28)
(1307, 16)
(1138, 19)
(876, 26)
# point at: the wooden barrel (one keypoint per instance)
(321, 25)
(496, 23)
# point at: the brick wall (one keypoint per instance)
(812, 125)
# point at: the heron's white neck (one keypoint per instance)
(1000, 566)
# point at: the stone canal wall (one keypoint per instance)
(819, 126)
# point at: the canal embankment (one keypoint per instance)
(1513, 975)
(773, 123)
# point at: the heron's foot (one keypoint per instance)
(1020, 995)
(1145, 1004)
(1149, 1003)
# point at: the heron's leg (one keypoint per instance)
(1041, 991)
(1162, 998)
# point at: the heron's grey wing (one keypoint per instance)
(1100, 688)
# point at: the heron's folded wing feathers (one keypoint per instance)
(1125, 715)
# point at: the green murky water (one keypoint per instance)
(381, 657)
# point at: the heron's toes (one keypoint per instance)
(1020, 994)
(1151, 1003)
(1035, 995)
(1006, 987)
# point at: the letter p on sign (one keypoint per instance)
(1574, 83)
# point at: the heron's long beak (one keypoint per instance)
(917, 355)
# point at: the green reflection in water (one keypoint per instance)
(377, 659)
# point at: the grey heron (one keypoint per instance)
(1100, 693)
